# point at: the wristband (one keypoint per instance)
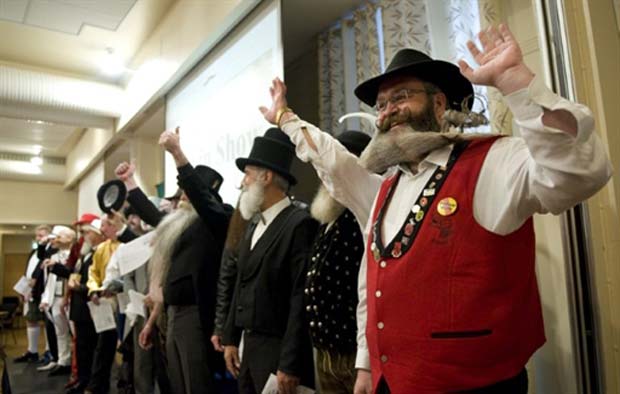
(281, 112)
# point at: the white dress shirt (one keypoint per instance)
(268, 215)
(52, 284)
(547, 170)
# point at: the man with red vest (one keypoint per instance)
(447, 287)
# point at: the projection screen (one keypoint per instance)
(216, 106)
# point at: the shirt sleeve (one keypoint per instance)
(362, 359)
(345, 179)
(545, 170)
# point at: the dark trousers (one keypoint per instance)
(261, 357)
(261, 354)
(150, 364)
(85, 342)
(515, 385)
(186, 349)
(102, 362)
(50, 333)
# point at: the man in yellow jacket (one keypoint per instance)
(106, 340)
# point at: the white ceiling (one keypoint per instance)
(67, 38)
(21, 136)
(72, 36)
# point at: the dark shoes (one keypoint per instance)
(60, 370)
(27, 358)
(76, 389)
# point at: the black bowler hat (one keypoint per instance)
(273, 151)
(354, 141)
(111, 195)
(210, 177)
(446, 76)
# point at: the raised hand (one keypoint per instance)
(501, 61)
(124, 171)
(278, 101)
(170, 140)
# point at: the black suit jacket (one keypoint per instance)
(269, 291)
(44, 251)
(195, 261)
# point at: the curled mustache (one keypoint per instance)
(403, 116)
(408, 146)
(424, 121)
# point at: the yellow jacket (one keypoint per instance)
(101, 257)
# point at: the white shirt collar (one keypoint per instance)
(270, 213)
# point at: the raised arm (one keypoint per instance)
(558, 163)
(144, 207)
(212, 211)
(338, 169)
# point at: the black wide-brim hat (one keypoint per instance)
(111, 195)
(273, 151)
(211, 178)
(410, 62)
(354, 141)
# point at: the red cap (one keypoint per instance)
(86, 218)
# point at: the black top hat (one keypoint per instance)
(111, 195)
(446, 76)
(273, 151)
(211, 178)
(354, 141)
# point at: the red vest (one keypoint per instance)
(460, 308)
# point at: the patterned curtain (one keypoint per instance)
(491, 13)
(331, 79)
(382, 27)
(367, 53)
(405, 25)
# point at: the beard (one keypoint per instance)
(236, 229)
(167, 234)
(324, 207)
(410, 140)
(251, 199)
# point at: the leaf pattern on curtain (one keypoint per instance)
(366, 51)
(405, 25)
(331, 79)
(491, 13)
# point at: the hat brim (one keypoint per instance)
(120, 197)
(446, 76)
(242, 162)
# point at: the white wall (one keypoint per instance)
(87, 191)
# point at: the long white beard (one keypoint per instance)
(251, 199)
(407, 146)
(167, 234)
(324, 207)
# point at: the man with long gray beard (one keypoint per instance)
(448, 293)
(331, 286)
(184, 267)
(267, 304)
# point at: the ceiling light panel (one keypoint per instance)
(66, 16)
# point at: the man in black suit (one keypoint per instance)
(186, 259)
(268, 300)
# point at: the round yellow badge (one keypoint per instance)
(447, 206)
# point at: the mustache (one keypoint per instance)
(403, 116)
